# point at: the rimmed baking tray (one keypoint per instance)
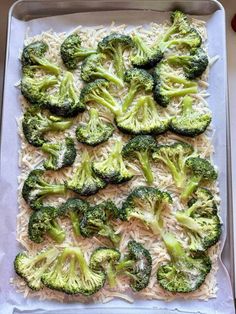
(26, 13)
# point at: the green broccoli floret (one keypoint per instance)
(97, 92)
(95, 131)
(33, 56)
(198, 170)
(45, 222)
(85, 181)
(142, 118)
(72, 275)
(137, 264)
(113, 169)
(96, 221)
(34, 89)
(31, 268)
(182, 273)
(61, 154)
(203, 202)
(106, 259)
(169, 84)
(190, 122)
(144, 56)
(141, 147)
(138, 80)
(201, 222)
(92, 69)
(173, 156)
(146, 204)
(114, 46)
(35, 124)
(193, 64)
(74, 208)
(65, 103)
(35, 188)
(179, 33)
(72, 52)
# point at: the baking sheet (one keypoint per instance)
(10, 301)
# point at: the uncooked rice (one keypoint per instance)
(30, 158)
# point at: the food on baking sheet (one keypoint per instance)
(118, 192)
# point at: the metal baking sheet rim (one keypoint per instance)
(228, 153)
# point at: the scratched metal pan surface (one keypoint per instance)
(25, 11)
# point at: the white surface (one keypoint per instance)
(223, 303)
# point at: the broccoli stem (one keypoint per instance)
(191, 186)
(182, 92)
(145, 165)
(143, 48)
(108, 76)
(109, 232)
(46, 65)
(111, 276)
(50, 148)
(107, 101)
(84, 52)
(52, 189)
(56, 233)
(124, 265)
(187, 104)
(179, 60)
(75, 222)
(44, 83)
(188, 222)
(129, 98)
(82, 262)
(173, 247)
(59, 125)
(177, 174)
(118, 62)
(179, 80)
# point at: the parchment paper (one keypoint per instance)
(12, 302)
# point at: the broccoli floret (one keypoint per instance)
(35, 188)
(33, 56)
(97, 92)
(106, 259)
(182, 273)
(173, 156)
(35, 124)
(72, 275)
(61, 154)
(141, 147)
(193, 64)
(96, 221)
(142, 118)
(74, 208)
(92, 69)
(146, 204)
(85, 181)
(44, 222)
(203, 202)
(203, 231)
(34, 89)
(66, 102)
(144, 56)
(114, 46)
(137, 264)
(95, 131)
(179, 33)
(190, 122)
(138, 80)
(198, 170)
(31, 268)
(168, 85)
(72, 52)
(113, 169)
